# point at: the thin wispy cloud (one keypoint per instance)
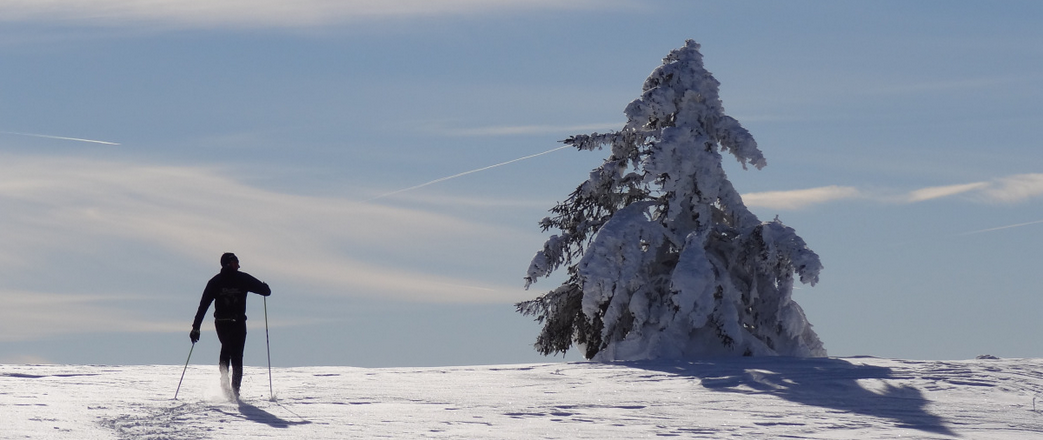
(937, 192)
(63, 138)
(1000, 228)
(334, 245)
(441, 199)
(1013, 189)
(1005, 190)
(443, 179)
(265, 13)
(801, 198)
(33, 315)
(516, 130)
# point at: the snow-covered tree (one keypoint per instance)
(663, 258)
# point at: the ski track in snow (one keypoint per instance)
(749, 398)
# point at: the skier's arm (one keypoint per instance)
(257, 286)
(204, 304)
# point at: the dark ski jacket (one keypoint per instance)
(227, 290)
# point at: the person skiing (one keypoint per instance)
(227, 290)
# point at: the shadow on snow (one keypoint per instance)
(255, 414)
(822, 382)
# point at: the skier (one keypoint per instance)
(227, 290)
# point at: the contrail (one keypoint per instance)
(45, 136)
(443, 179)
(1002, 227)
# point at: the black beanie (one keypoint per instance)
(228, 258)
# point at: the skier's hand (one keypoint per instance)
(194, 335)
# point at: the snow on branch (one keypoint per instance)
(664, 259)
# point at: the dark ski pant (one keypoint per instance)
(232, 335)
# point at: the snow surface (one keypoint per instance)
(749, 398)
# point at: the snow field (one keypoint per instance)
(749, 398)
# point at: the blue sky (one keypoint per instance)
(902, 139)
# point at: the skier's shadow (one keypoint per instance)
(823, 382)
(255, 414)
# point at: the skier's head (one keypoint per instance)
(229, 260)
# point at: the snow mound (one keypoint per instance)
(758, 398)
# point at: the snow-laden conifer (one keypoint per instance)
(663, 258)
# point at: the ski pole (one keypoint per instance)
(184, 370)
(268, 344)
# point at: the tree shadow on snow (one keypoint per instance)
(823, 382)
(255, 414)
